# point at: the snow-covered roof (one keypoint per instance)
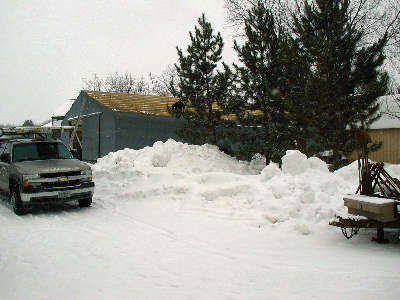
(52, 123)
(47, 124)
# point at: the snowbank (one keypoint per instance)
(300, 195)
(188, 222)
(174, 157)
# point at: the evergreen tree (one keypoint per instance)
(201, 87)
(263, 102)
(344, 83)
(28, 123)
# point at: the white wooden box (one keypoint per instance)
(374, 208)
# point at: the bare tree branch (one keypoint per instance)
(155, 84)
(94, 84)
(161, 84)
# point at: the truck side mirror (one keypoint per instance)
(5, 157)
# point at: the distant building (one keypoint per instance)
(113, 121)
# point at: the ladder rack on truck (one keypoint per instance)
(35, 132)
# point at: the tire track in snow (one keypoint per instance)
(158, 229)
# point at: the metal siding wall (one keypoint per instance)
(108, 132)
(90, 138)
(90, 130)
(138, 130)
(390, 150)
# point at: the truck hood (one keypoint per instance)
(50, 166)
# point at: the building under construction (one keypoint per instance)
(107, 122)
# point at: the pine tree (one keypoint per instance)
(28, 123)
(344, 83)
(201, 86)
(262, 107)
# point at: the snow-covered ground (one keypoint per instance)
(177, 221)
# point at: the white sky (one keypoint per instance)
(49, 46)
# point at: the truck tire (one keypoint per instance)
(15, 201)
(85, 202)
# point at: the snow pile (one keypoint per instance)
(300, 195)
(303, 193)
(174, 156)
(189, 222)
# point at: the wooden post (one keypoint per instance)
(380, 236)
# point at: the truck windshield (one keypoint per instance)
(40, 151)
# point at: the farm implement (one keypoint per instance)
(375, 204)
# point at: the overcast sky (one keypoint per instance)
(49, 46)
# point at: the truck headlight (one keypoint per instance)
(87, 172)
(30, 177)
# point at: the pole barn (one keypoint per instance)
(107, 122)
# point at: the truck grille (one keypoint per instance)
(52, 199)
(56, 184)
(61, 174)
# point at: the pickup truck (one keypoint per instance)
(41, 171)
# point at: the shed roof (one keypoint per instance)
(144, 104)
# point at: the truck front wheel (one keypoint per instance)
(85, 202)
(15, 201)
